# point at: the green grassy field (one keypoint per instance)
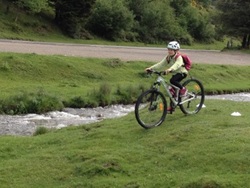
(210, 149)
(73, 76)
(94, 82)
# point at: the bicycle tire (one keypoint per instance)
(195, 91)
(151, 109)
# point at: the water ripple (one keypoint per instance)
(27, 124)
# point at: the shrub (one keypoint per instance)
(104, 94)
(129, 94)
(76, 102)
(157, 23)
(5, 66)
(23, 103)
(40, 131)
(113, 63)
(110, 19)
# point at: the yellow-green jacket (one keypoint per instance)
(175, 64)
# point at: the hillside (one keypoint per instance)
(20, 25)
(17, 24)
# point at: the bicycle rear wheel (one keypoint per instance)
(194, 98)
(150, 109)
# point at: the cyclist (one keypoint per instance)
(175, 66)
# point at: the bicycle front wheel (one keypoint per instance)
(150, 109)
(194, 100)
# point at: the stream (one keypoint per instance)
(25, 125)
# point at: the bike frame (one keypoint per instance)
(174, 99)
(151, 107)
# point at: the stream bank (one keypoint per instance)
(25, 125)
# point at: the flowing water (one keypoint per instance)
(27, 124)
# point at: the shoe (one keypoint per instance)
(183, 92)
(170, 109)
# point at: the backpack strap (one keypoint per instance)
(168, 59)
(176, 56)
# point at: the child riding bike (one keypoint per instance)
(176, 66)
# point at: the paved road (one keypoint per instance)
(123, 53)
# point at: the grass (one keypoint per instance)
(30, 82)
(64, 77)
(73, 76)
(210, 149)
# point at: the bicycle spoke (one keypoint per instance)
(194, 100)
(150, 109)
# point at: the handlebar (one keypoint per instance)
(151, 71)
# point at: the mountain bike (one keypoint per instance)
(151, 106)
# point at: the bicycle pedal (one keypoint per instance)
(170, 110)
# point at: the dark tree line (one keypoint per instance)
(149, 21)
(235, 19)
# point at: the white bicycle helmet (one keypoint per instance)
(174, 45)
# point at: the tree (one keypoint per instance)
(194, 19)
(235, 19)
(111, 19)
(34, 6)
(155, 22)
(138, 7)
(71, 16)
(158, 24)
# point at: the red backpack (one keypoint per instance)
(186, 60)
